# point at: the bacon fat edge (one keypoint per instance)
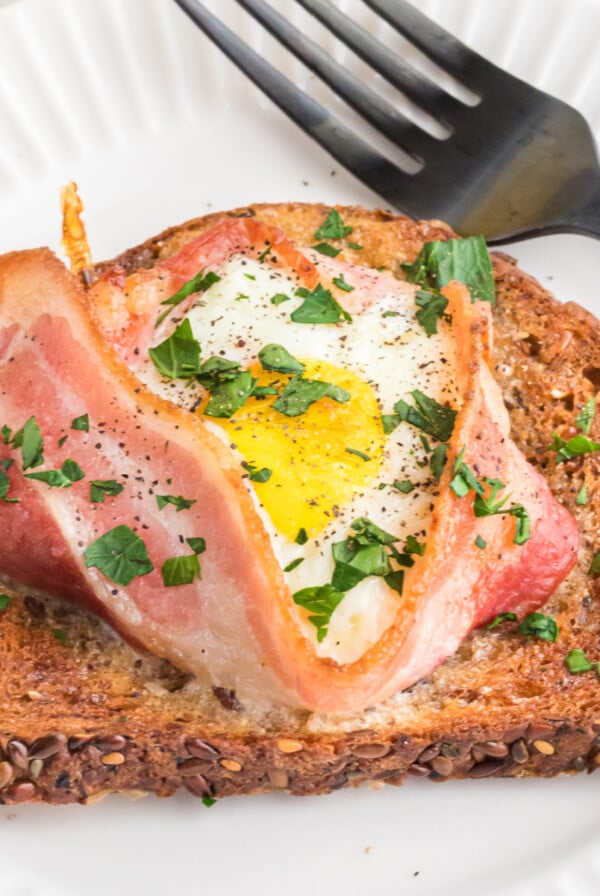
(237, 627)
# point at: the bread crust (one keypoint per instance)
(83, 715)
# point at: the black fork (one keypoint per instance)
(516, 163)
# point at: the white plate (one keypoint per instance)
(132, 102)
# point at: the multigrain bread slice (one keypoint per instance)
(83, 715)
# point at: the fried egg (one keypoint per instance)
(332, 464)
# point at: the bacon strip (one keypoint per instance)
(237, 627)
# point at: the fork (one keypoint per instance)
(517, 163)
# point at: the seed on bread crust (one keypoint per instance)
(544, 746)
(6, 774)
(287, 745)
(17, 752)
(200, 749)
(45, 747)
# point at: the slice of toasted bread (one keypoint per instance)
(82, 714)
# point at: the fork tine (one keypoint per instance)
(437, 44)
(369, 166)
(417, 87)
(381, 114)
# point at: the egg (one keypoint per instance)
(332, 464)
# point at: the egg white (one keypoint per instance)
(235, 318)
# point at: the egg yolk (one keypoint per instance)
(314, 469)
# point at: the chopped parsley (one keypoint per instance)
(69, 473)
(437, 461)
(99, 488)
(299, 394)
(279, 298)
(199, 283)
(354, 245)
(585, 418)
(318, 307)
(119, 554)
(60, 635)
(6, 433)
(326, 249)
(276, 357)
(500, 618)
(594, 569)
(208, 801)
(320, 601)
(178, 356)
(293, 564)
(430, 308)
(257, 475)
(179, 502)
(81, 423)
(480, 542)
(301, 537)
(582, 496)
(466, 260)
(538, 625)
(333, 228)
(266, 251)
(197, 544)
(4, 487)
(432, 418)
(230, 387)
(29, 440)
(4, 602)
(485, 502)
(405, 486)
(341, 284)
(578, 445)
(357, 453)
(576, 662)
(368, 551)
(180, 570)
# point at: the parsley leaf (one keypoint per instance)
(405, 486)
(500, 618)
(197, 544)
(276, 357)
(227, 397)
(99, 488)
(81, 423)
(4, 602)
(179, 502)
(199, 283)
(333, 227)
(119, 554)
(585, 418)
(326, 249)
(464, 480)
(431, 307)
(321, 601)
(582, 496)
(29, 440)
(579, 444)
(539, 626)
(341, 284)
(357, 453)
(178, 356)
(437, 461)
(318, 307)
(466, 260)
(428, 415)
(180, 570)
(480, 542)
(576, 661)
(293, 564)
(594, 569)
(257, 475)
(301, 537)
(69, 473)
(278, 298)
(299, 394)
(4, 487)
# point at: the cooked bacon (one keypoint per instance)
(237, 627)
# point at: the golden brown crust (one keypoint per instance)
(112, 720)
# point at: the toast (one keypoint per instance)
(83, 715)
